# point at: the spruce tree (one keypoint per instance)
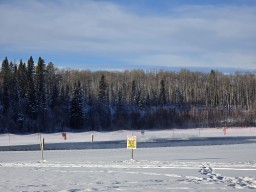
(162, 95)
(102, 95)
(14, 89)
(16, 100)
(119, 106)
(31, 94)
(103, 104)
(6, 75)
(54, 97)
(52, 89)
(139, 100)
(213, 92)
(133, 93)
(22, 78)
(76, 108)
(40, 85)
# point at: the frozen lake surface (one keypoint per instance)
(225, 167)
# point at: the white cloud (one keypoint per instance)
(189, 36)
(214, 60)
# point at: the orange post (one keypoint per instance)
(225, 130)
(64, 135)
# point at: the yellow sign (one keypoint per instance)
(131, 142)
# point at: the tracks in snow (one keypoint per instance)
(235, 182)
(208, 170)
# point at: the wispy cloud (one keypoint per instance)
(188, 35)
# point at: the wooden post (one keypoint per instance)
(132, 149)
(42, 148)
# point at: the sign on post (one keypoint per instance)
(131, 142)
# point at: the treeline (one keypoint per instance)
(42, 98)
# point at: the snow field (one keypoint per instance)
(197, 168)
(190, 168)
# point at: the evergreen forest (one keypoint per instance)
(39, 97)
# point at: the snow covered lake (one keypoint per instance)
(211, 167)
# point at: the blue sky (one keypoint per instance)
(131, 34)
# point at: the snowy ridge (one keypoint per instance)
(205, 167)
(117, 139)
(131, 164)
(236, 182)
(146, 136)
